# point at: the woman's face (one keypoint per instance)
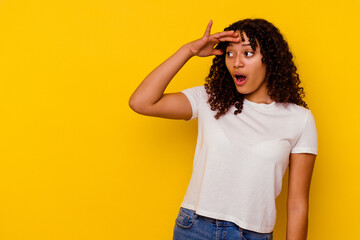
(247, 70)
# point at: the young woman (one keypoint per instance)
(252, 123)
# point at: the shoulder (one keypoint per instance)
(303, 118)
(197, 97)
(196, 90)
(305, 113)
(295, 109)
(298, 115)
(197, 93)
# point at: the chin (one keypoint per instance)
(242, 90)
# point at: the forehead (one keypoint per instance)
(239, 44)
(244, 41)
(242, 35)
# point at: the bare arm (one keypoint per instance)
(149, 98)
(301, 168)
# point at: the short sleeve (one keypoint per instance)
(308, 140)
(196, 97)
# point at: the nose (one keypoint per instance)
(238, 62)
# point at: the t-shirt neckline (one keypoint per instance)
(260, 105)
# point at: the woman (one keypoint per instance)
(252, 123)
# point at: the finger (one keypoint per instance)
(217, 52)
(225, 34)
(208, 28)
(229, 39)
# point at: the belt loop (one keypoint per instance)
(195, 215)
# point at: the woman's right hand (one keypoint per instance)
(204, 47)
(149, 98)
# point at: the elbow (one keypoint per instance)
(137, 106)
(302, 206)
(133, 104)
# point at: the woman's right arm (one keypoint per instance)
(149, 98)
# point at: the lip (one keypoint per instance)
(237, 82)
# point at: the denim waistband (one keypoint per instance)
(218, 222)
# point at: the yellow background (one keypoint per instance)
(77, 163)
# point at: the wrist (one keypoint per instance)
(187, 50)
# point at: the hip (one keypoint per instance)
(191, 226)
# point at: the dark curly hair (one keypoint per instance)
(282, 79)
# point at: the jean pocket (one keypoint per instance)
(186, 218)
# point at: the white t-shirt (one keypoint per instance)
(240, 160)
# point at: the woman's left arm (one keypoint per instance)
(300, 172)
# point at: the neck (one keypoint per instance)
(259, 99)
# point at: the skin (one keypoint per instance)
(242, 60)
(149, 99)
(300, 172)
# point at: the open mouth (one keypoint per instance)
(240, 79)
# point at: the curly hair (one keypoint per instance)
(282, 79)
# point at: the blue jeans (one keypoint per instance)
(191, 226)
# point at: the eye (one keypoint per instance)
(249, 54)
(229, 54)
